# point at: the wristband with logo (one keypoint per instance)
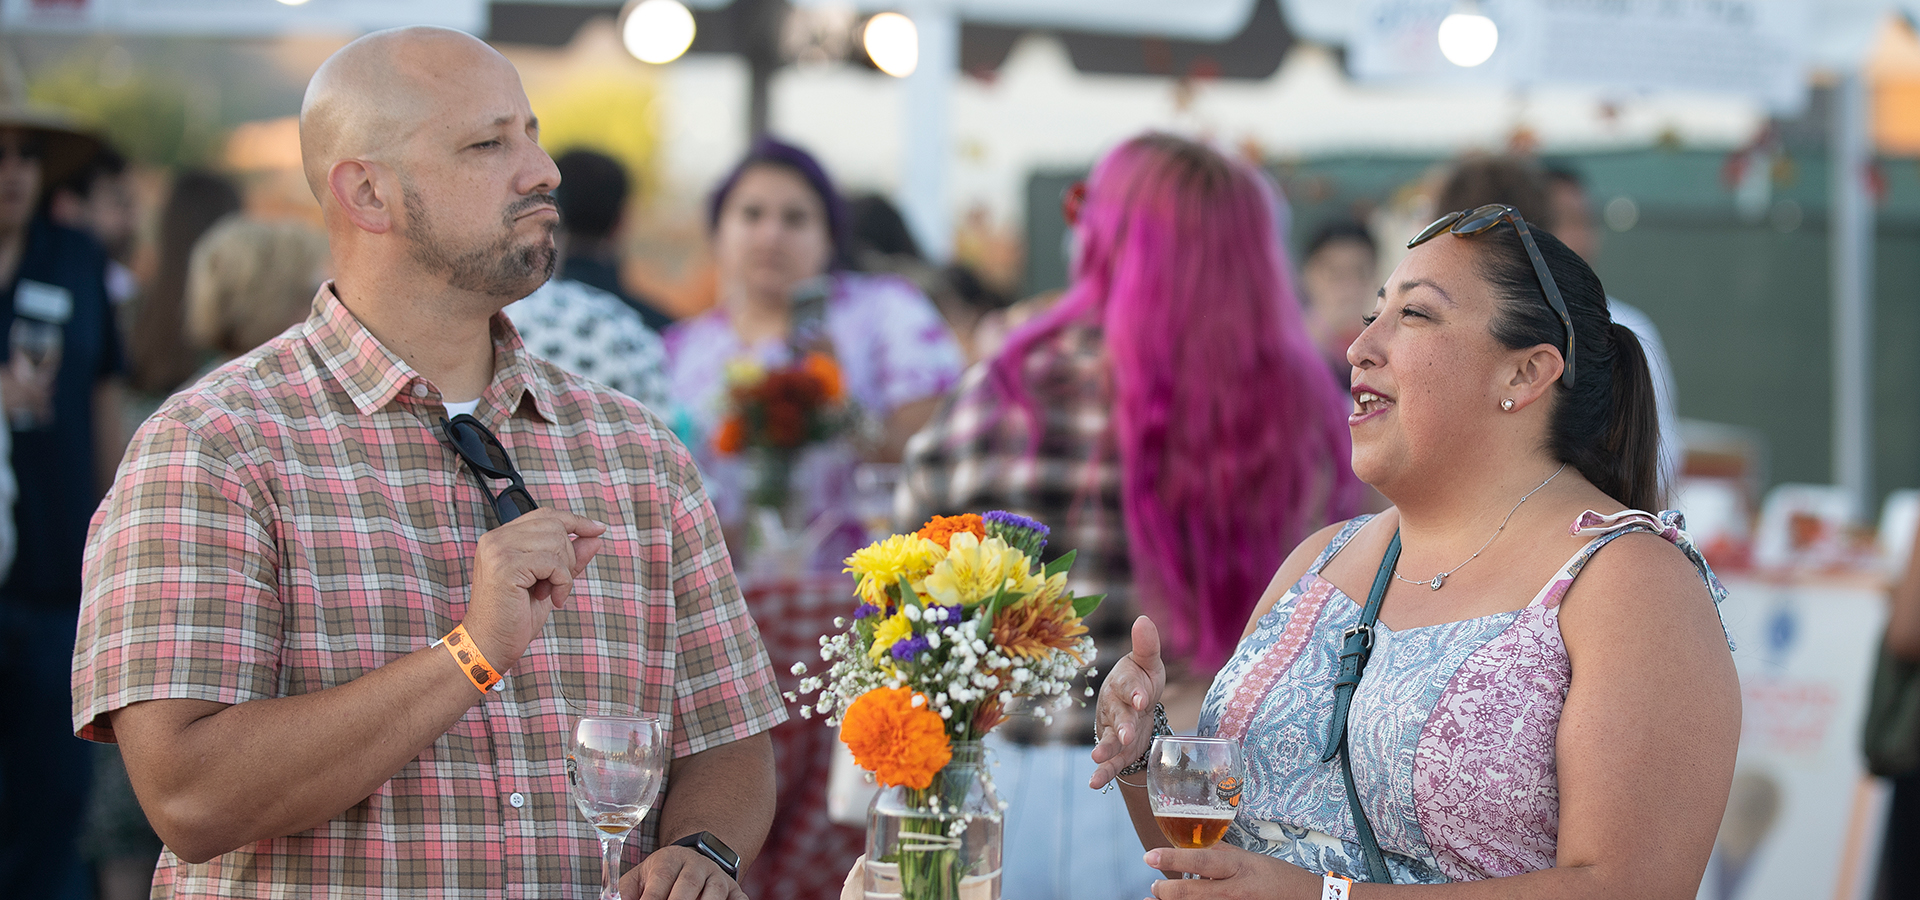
(1334, 887)
(472, 662)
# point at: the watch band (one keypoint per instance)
(1160, 729)
(711, 847)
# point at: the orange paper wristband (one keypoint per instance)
(471, 660)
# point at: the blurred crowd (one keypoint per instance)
(935, 392)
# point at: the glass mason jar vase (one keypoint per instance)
(941, 842)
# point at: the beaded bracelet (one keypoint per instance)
(1160, 729)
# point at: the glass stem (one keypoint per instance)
(610, 847)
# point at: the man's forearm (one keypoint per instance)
(728, 790)
(216, 777)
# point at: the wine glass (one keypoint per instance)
(1193, 785)
(614, 767)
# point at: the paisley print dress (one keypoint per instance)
(1451, 731)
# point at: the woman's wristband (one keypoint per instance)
(1334, 887)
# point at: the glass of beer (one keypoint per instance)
(1193, 784)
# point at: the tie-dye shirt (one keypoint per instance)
(1451, 730)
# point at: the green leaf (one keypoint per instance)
(991, 610)
(1084, 605)
(908, 595)
(1059, 565)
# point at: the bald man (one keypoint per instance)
(341, 631)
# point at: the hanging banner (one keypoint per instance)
(1751, 48)
(236, 18)
(1803, 818)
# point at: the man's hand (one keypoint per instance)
(27, 388)
(523, 571)
(678, 873)
(1123, 716)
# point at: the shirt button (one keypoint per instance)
(419, 389)
(516, 800)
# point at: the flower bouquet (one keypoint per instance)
(774, 414)
(955, 622)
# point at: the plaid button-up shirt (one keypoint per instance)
(296, 522)
(977, 455)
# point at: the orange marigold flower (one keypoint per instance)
(942, 528)
(732, 437)
(822, 367)
(900, 743)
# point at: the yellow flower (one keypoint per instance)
(882, 564)
(893, 630)
(975, 570)
(744, 371)
(1051, 592)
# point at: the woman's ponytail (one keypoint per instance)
(1605, 424)
(1632, 455)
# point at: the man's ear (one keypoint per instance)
(363, 193)
(1534, 374)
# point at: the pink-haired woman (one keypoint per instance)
(1171, 420)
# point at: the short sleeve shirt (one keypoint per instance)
(295, 522)
(978, 452)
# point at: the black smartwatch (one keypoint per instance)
(705, 844)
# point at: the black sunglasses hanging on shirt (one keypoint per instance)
(488, 461)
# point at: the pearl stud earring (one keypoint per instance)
(1507, 404)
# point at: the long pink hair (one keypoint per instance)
(1232, 432)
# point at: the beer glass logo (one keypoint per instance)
(1229, 790)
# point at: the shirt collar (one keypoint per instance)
(374, 376)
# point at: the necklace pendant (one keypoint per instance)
(1439, 581)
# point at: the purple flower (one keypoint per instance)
(946, 615)
(1020, 532)
(905, 650)
(864, 610)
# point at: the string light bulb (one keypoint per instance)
(1468, 38)
(893, 43)
(657, 31)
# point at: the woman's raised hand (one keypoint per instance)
(1123, 715)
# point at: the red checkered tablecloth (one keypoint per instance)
(806, 856)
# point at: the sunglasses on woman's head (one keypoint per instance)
(487, 459)
(1468, 223)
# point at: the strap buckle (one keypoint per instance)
(1364, 631)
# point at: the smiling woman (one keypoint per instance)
(1538, 710)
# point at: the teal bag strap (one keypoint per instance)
(1356, 647)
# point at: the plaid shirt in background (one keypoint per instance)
(296, 522)
(974, 456)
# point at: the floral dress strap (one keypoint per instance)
(1334, 546)
(1669, 524)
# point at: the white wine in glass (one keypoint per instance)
(614, 767)
(1193, 785)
